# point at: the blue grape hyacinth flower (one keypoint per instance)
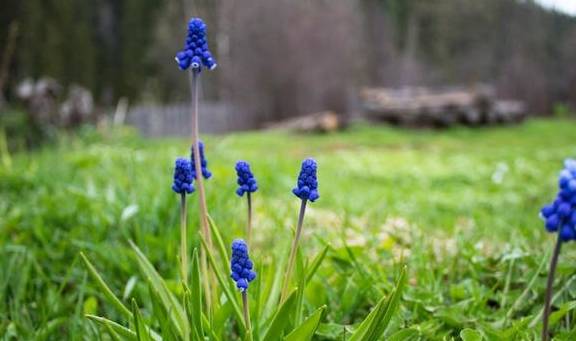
(246, 181)
(307, 186)
(203, 163)
(183, 180)
(241, 266)
(196, 53)
(560, 215)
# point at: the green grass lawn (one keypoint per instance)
(459, 207)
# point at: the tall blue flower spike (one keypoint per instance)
(196, 53)
(241, 266)
(183, 179)
(246, 181)
(560, 215)
(307, 186)
(203, 163)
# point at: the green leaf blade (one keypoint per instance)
(306, 330)
(375, 324)
(171, 304)
(115, 301)
(282, 317)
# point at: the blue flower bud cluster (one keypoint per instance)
(560, 215)
(203, 163)
(183, 177)
(246, 181)
(196, 53)
(241, 265)
(307, 187)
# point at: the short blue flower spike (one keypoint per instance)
(560, 215)
(246, 181)
(307, 186)
(196, 53)
(241, 266)
(183, 177)
(203, 163)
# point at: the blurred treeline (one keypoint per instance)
(279, 58)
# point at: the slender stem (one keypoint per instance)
(194, 85)
(183, 239)
(249, 228)
(195, 77)
(293, 251)
(246, 310)
(549, 285)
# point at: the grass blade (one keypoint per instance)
(139, 324)
(188, 306)
(222, 250)
(529, 287)
(306, 330)
(211, 334)
(105, 289)
(313, 267)
(391, 308)
(167, 327)
(300, 275)
(124, 332)
(257, 306)
(274, 283)
(113, 335)
(371, 320)
(170, 303)
(281, 318)
(193, 298)
(374, 325)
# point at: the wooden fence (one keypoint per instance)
(175, 119)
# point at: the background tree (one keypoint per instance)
(293, 57)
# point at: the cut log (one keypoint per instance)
(419, 106)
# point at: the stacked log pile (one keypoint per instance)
(424, 107)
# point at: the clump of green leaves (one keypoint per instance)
(183, 316)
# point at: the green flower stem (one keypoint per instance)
(183, 239)
(249, 226)
(293, 251)
(549, 285)
(194, 85)
(197, 159)
(246, 311)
